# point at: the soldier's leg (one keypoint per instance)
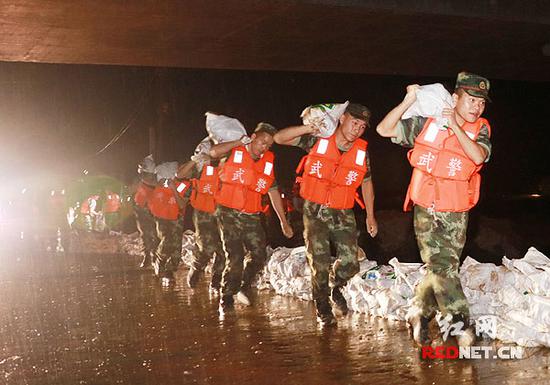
(159, 256)
(344, 237)
(254, 238)
(173, 247)
(208, 243)
(450, 236)
(147, 231)
(219, 255)
(234, 251)
(343, 232)
(316, 237)
(424, 303)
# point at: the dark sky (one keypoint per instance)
(54, 118)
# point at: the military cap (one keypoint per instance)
(473, 84)
(359, 111)
(265, 127)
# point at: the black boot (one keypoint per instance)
(419, 328)
(339, 300)
(325, 317)
(146, 262)
(193, 277)
(226, 304)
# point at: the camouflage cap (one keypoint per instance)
(265, 127)
(359, 111)
(473, 84)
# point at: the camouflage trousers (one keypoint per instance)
(241, 233)
(147, 230)
(209, 244)
(168, 253)
(441, 237)
(323, 225)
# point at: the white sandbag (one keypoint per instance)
(166, 170)
(481, 276)
(147, 164)
(223, 129)
(324, 117)
(431, 99)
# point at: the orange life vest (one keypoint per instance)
(143, 193)
(112, 203)
(163, 203)
(331, 178)
(244, 180)
(204, 190)
(443, 176)
(85, 208)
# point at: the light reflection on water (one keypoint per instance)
(83, 319)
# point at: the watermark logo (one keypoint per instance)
(486, 326)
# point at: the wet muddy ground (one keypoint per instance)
(98, 319)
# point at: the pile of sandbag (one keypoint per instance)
(288, 272)
(516, 293)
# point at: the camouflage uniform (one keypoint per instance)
(323, 225)
(208, 244)
(241, 233)
(147, 230)
(168, 253)
(441, 237)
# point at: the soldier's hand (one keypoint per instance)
(449, 113)
(287, 230)
(372, 226)
(311, 129)
(411, 93)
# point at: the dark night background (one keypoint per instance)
(55, 118)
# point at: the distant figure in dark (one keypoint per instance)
(444, 186)
(203, 172)
(144, 219)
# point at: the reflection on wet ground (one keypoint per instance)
(98, 319)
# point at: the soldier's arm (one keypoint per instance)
(367, 190)
(290, 136)
(277, 204)
(473, 150)
(185, 170)
(388, 126)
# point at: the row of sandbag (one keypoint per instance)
(517, 293)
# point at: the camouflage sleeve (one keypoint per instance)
(307, 142)
(483, 139)
(368, 174)
(408, 130)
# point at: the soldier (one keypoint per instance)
(204, 173)
(168, 207)
(246, 176)
(333, 170)
(144, 219)
(444, 187)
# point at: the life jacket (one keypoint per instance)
(444, 178)
(331, 178)
(244, 180)
(112, 203)
(85, 208)
(204, 190)
(163, 204)
(143, 194)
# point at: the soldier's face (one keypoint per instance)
(261, 142)
(468, 107)
(352, 128)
